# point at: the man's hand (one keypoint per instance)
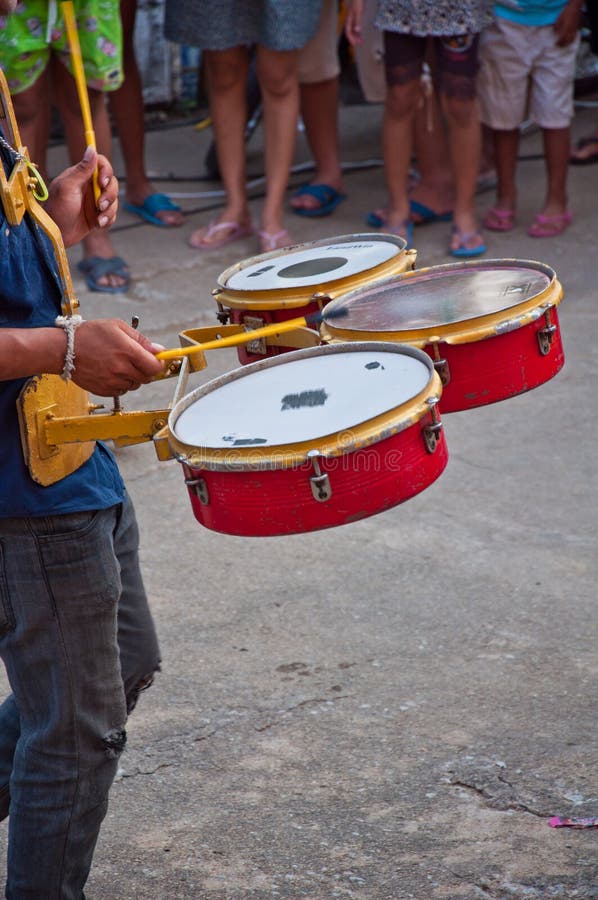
(112, 358)
(71, 202)
(353, 22)
(568, 23)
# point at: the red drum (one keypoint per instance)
(312, 439)
(298, 280)
(490, 326)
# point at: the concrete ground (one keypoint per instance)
(395, 708)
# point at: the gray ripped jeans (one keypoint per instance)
(78, 643)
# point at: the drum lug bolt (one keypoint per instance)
(320, 482)
(432, 432)
(198, 487)
(223, 314)
(546, 334)
(441, 366)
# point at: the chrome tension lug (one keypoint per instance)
(545, 335)
(198, 487)
(432, 431)
(442, 367)
(320, 482)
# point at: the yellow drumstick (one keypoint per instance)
(234, 340)
(68, 12)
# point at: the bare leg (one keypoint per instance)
(126, 105)
(555, 216)
(277, 74)
(502, 216)
(397, 135)
(319, 110)
(465, 140)
(98, 242)
(227, 78)
(435, 188)
(585, 151)
(556, 151)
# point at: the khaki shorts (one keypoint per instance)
(318, 60)
(523, 74)
(369, 57)
(36, 30)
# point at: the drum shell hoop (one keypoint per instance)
(498, 367)
(370, 466)
(357, 437)
(280, 304)
(280, 501)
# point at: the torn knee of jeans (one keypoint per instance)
(142, 685)
(114, 742)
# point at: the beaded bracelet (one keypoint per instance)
(70, 325)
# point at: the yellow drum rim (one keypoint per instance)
(283, 456)
(280, 298)
(464, 331)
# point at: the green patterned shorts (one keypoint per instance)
(36, 29)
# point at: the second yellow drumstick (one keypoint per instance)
(68, 13)
(235, 340)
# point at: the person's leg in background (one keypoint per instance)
(457, 62)
(433, 195)
(126, 106)
(551, 106)
(226, 72)
(503, 95)
(404, 56)
(277, 74)
(319, 71)
(585, 152)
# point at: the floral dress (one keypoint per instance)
(434, 17)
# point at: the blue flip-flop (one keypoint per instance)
(153, 204)
(93, 267)
(463, 252)
(427, 214)
(374, 220)
(327, 196)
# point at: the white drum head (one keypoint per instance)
(311, 394)
(318, 263)
(441, 295)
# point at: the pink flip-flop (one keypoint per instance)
(274, 240)
(550, 225)
(234, 229)
(499, 219)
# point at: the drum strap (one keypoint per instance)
(21, 191)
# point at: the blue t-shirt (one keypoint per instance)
(530, 12)
(30, 297)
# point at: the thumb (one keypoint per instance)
(88, 163)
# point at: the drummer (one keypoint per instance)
(69, 573)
